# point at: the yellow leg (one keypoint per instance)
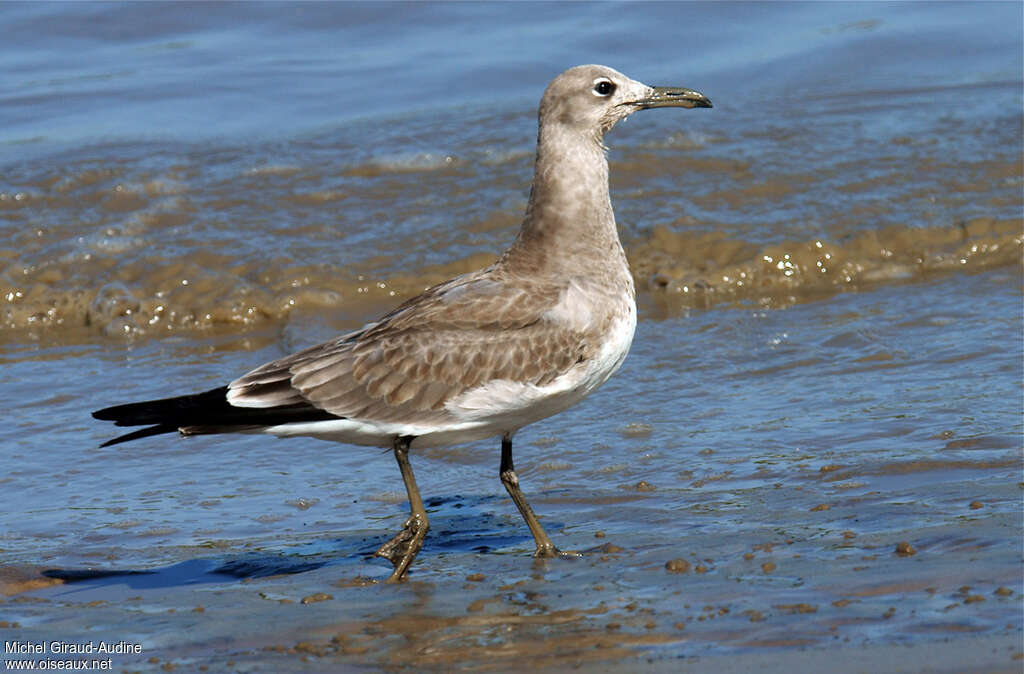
(545, 548)
(402, 549)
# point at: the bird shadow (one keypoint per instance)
(189, 572)
(458, 525)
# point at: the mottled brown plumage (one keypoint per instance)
(481, 355)
(452, 338)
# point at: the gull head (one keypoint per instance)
(590, 99)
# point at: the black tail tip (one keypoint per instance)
(141, 433)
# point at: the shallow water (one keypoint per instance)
(828, 361)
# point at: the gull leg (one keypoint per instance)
(545, 548)
(402, 549)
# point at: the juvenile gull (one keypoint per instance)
(481, 355)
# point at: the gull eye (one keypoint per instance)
(603, 87)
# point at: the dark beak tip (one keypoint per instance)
(675, 97)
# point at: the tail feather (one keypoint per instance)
(207, 412)
(141, 433)
(167, 410)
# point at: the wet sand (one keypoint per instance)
(832, 591)
(883, 521)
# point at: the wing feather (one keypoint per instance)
(453, 338)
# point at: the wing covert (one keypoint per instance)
(452, 338)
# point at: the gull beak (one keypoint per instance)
(673, 97)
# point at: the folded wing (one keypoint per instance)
(451, 339)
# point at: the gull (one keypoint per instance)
(476, 357)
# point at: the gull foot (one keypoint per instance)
(402, 549)
(550, 551)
